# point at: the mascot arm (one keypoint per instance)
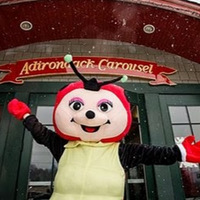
(134, 154)
(40, 133)
(45, 136)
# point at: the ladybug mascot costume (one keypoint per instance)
(90, 118)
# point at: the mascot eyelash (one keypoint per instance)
(90, 118)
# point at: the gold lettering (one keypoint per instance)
(76, 63)
(60, 65)
(125, 66)
(150, 69)
(140, 67)
(44, 65)
(100, 65)
(118, 64)
(110, 65)
(33, 66)
(40, 67)
(132, 67)
(52, 65)
(66, 65)
(25, 69)
(90, 63)
(146, 68)
(83, 63)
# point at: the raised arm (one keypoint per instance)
(40, 133)
(134, 154)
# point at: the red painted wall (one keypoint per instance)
(105, 19)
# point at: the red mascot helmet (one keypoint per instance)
(93, 111)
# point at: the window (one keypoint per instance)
(135, 185)
(185, 121)
(43, 166)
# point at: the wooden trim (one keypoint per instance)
(54, 87)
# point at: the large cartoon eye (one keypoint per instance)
(76, 104)
(105, 105)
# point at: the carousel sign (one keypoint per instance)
(17, 72)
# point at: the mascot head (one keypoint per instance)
(91, 111)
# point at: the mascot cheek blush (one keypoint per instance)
(90, 119)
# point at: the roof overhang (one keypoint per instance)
(177, 25)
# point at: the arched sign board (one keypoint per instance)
(24, 69)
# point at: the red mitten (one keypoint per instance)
(190, 150)
(18, 109)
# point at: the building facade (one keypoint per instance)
(162, 115)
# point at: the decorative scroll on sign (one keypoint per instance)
(17, 72)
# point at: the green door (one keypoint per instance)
(37, 168)
(181, 117)
(4, 123)
(10, 143)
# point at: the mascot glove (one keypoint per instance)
(18, 109)
(190, 150)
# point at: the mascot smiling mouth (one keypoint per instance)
(90, 129)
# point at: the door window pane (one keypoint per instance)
(194, 112)
(43, 166)
(181, 130)
(45, 114)
(135, 186)
(187, 122)
(178, 114)
(196, 131)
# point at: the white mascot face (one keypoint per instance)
(90, 115)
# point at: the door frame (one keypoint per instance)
(35, 99)
(175, 100)
(47, 99)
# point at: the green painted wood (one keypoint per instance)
(48, 100)
(22, 182)
(51, 87)
(4, 124)
(138, 99)
(35, 100)
(12, 156)
(149, 170)
(175, 100)
(15, 168)
(162, 173)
